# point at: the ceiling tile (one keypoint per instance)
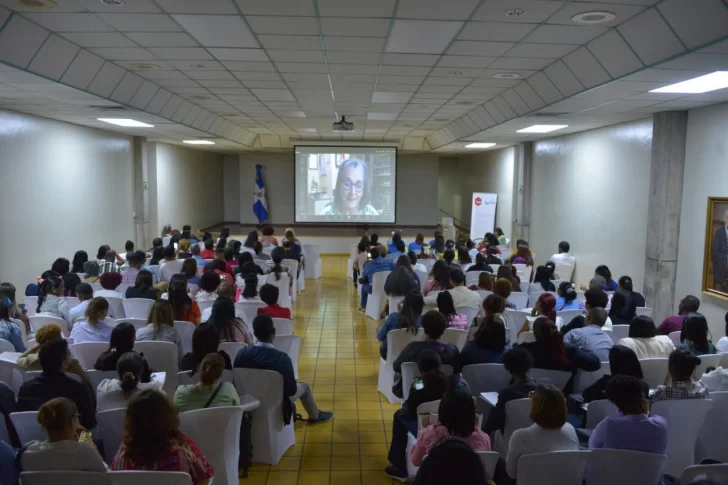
(390, 97)
(54, 57)
(238, 54)
(273, 94)
(623, 12)
(257, 76)
(82, 70)
(69, 22)
(162, 39)
(703, 62)
(381, 116)
(249, 66)
(301, 67)
(466, 61)
(447, 81)
(463, 72)
(134, 65)
(550, 51)
(283, 25)
(356, 8)
(565, 34)
(439, 89)
(696, 26)
(129, 85)
(276, 7)
(98, 39)
(354, 44)
(422, 36)
(614, 54)
(219, 75)
(20, 40)
(346, 57)
(124, 53)
(106, 80)
(650, 37)
(130, 22)
(404, 70)
(495, 31)
(544, 88)
(353, 69)
(470, 48)
(217, 7)
(355, 27)
(563, 79)
(586, 68)
(436, 9)
(537, 11)
(296, 42)
(392, 79)
(520, 63)
(156, 75)
(218, 30)
(295, 56)
(529, 96)
(490, 72)
(717, 48)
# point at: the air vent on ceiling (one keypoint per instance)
(546, 115)
(109, 108)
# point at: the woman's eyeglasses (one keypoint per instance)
(348, 185)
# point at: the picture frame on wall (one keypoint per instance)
(715, 258)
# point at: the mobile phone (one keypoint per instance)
(85, 437)
(418, 383)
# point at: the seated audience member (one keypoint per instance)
(109, 282)
(135, 261)
(227, 290)
(446, 307)
(549, 431)
(633, 429)
(599, 283)
(591, 337)
(209, 282)
(79, 259)
(399, 252)
(506, 271)
(250, 240)
(84, 293)
(722, 344)
(10, 331)
(452, 460)
(622, 362)
(205, 340)
(62, 451)
(209, 251)
(544, 307)
(157, 257)
(184, 249)
(645, 342)
(268, 239)
(593, 298)
(259, 254)
(291, 251)
(55, 360)
(480, 265)
(122, 341)
(168, 267)
(552, 270)
(502, 287)
(415, 265)
(603, 271)
(491, 256)
(434, 325)
(157, 242)
(485, 283)
(464, 258)
(625, 283)
(498, 232)
(158, 444)
(116, 393)
(33, 288)
(195, 254)
(160, 326)
(689, 304)
(189, 269)
(471, 249)
(276, 265)
(361, 258)
(439, 278)
(111, 263)
(457, 418)
(521, 256)
(143, 287)
(229, 327)
(93, 328)
(449, 257)
(70, 282)
(488, 345)
(269, 294)
(461, 295)
(695, 335)
(378, 264)
(49, 301)
(623, 309)
(30, 359)
(409, 317)
(264, 356)
(434, 385)
(246, 266)
(222, 265)
(184, 308)
(209, 392)
(416, 245)
(567, 297)
(7, 290)
(563, 257)
(402, 280)
(392, 244)
(681, 367)
(550, 352)
(250, 289)
(541, 281)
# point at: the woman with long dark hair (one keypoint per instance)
(625, 283)
(205, 341)
(49, 301)
(184, 308)
(78, 261)
(541, 281)
(229, 327)
(440, 278)
(644, 341)
(116, 393)
(10, 331)
(695, 335)
(567, 297)
(352, 192)
(276, 266)
(550, 352)
(122, 340)
(408, 317)
(489, 343)
(622, 361)
(603, 271)
(251, 240)
(446, 306)
(622, 310)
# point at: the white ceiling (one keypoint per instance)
(262, 74)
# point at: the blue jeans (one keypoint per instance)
(366, 290)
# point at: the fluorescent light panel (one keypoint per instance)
(125, 122)
(542, 128)
(198, 142)
(480, 145)
(702, 84)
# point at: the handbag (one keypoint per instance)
(212, 398)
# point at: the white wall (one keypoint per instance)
(706, 172)
(65, 188)
(231, 188)
(189, 187)
(591, 189)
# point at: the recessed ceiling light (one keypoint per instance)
(464, 103)
(198, 142)
(125, 122)
(480, 145)
(146, 67)
(114, 3)
(38, 4)
(455, 73)
(197, 66)
(542, 128)
(701, 84)
(514, 12)
(591, 18)
(507, 75)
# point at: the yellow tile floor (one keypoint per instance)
(340, 360)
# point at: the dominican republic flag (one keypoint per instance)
(260, 206)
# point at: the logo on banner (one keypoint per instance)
(478, 201)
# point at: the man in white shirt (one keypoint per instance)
(171, 264)
(563, 257)
(461, 296)
(84, 293)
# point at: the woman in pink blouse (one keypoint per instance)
(457, 418)
(446, 306)
(440, 281)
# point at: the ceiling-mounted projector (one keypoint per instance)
(342, 125)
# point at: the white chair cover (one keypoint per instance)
(517, 416)
(514, 321)
(685, 418)
(110, 430)
(707, 360)
(231, 348)
(116, 307)
(469, 312)
(283, 326)
(619, 332)
(711, 473)
(483, 294)
(712, 444)
(40, 320)
(565, 271)
(149, 478)
(185, 329)
(137, 307)
(598, 410)
(249, 309)
(162, 357)
(96, 376)
(396, 341)
(654, 371)
(520, 300)
(558, 378)
(455, 336)
(472, 277)
(6, 346)
(422, 275)
(675, 337)
(284, 296)
(137, 322)
(27, 426)
(644, 311)
(375, 301)
(584, 379)
(568, 315)
(64, 477)
(525, 337)
(489, 459)
(291, 346)
(87, 353)
(410, 371)
(314, 268)
(562, 467)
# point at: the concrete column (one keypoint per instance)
(522, 193)
(669, 131)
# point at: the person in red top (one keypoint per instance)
(269, 294)
(220, 255)
(209, 251)
(158, 444)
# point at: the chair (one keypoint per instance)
(483, 294)
(87, 353)
(96, 376)
(32, 374)
(485, 378)
(375, 301)
(6, 346)
(76, 478)
(644, 311)
(706, 360)
(712, 473)
(162, 357)
(283, 326)
(525, 337)
(568, 315)
(619, 332)
(21, 326)
(584, 379)
(37, 321)
(394, 302)
(514, 321)
(596, 411)
(565, 271)
(169, 268)
(110, 430)
(71, 301)
(520, 300)
(396, 341)
(489, 459)
(607, 467)
(558, 378)
(685, 418)
(424, 408)
(27, 426)
(525, 270)
(231, 348)
(472, 277)
(314, 269)
(270, 436)
(580, 297)
(410, 371)
(291, 346)
(205, 304)
(712, 444)
(116, 307)
(455, 336)
(216, 432)
(517, 416)
(654, 371)
(137, 307)
(137, 322)
(284, 292)
(469, 312)
(193, 289)
(31, 305)
(185, 329)
(427, 263)
(422, 275)
(249, 309)
(562, 467)
(533, 298)
(675, 337)
(149, 478)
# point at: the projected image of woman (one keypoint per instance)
(352, 191)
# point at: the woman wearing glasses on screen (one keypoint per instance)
(352, 192)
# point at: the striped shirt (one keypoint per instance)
(271, 265)
(109, 267)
